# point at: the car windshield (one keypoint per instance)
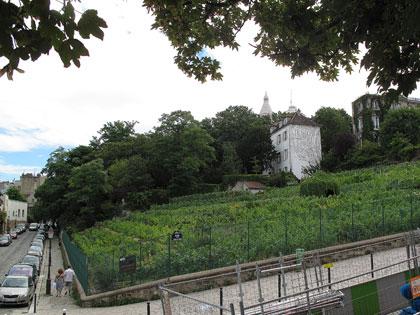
(3, 238)
(11, 282)
(21, 271)
(37, 248)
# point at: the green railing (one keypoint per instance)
(78, 261)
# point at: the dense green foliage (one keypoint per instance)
(29, 29)
(319, 185)
(400, 134)
(124, 170)
(220, 228)
(14, 194)
(333, 122)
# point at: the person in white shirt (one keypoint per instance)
(68, 279)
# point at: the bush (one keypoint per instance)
(278, 180)
(319, 186)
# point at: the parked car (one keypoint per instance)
(32, 260)
(38, 243)
(39, 238)
(23, 270)
(35, 251)
(22, 226)
(5, 240)
(17, 290)
(33, 227)
(13, 233)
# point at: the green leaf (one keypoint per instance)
(90, 24)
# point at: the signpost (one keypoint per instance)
(177, 236)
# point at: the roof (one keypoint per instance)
(252, 184)
(296, 118)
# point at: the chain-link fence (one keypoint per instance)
(78, 260)
(207, 247)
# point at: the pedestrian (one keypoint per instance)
(59, 282)
(414, 303)
(68, 279)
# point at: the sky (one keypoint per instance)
(131, 76)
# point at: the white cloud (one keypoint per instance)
(11, 169)
(131, 76)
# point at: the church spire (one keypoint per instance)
(266, 108)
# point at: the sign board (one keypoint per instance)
(329, 265)
(176, 236)
(50, 232)
(415, 287)
(128, 264)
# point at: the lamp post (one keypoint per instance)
(48, 284)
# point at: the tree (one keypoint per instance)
(88, 191)
(318, 36)
(333, 122)
(400, 133)
(248, 133)
(180, 149)
(14, 194)
(116, 131)
(29, 29)
(405, 122)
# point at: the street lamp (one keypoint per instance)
(48, 286)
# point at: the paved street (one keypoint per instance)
(11, 255)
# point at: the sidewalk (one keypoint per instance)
(52, 305)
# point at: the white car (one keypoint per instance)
(16, 290)
(33, 227)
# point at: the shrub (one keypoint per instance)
(277, 180)
(320, 186)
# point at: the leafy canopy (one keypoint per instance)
(308, 35)
(14, 194)
(29, 29)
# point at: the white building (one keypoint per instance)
(16, 211)
(297, 140)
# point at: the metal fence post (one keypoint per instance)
(247, 239)
(148, 308)
(352, 223)
(320, 227)
(411, 211)
(232, 309)
(285, 230)
(210, 239)
(221, 300)
(383, 218)
(371, 263)
(169, 255)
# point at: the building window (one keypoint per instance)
(18, 212)
(360, 123)
(278, 138)
(285, 136)
(375, 121)
(23, 213)
(285, 155)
